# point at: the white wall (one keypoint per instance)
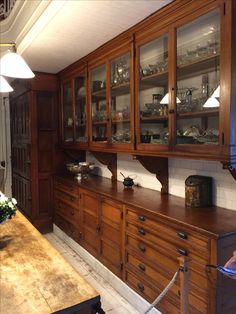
(224, 186)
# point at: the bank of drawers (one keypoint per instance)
(66, 205)
(152, 248)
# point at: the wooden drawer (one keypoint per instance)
(198, 296)
(171, 232)
(70, 229)
(150, 293)
(164, 258)
(69, 213)
(72, 200)
(68, 187)
(175, 249)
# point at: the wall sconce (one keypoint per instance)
(165, 100)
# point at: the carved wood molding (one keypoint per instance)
(109, 160)
(158, 166)
(231, 167)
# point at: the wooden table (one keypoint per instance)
(35, 278)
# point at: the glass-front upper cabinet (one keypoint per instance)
(152, 92)
(68, 115)
(120, 100)
(80, 109)
(98, 101)
(198, 81)
(74, 110)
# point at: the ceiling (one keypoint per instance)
(67, 30)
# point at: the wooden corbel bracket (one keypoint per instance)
(231, 167)
(109, 160)
(158, 166)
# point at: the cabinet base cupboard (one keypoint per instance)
(139, 234)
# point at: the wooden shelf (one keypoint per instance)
(99, 123)
(120, 89)
(154, 118)
(198, 114)
(100, 93)
(157, 79)
(199, 66)
(120, 121)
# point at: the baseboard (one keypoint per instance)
(125, 291)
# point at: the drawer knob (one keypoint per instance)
(182, 235)
(142, 267)
(142, 247)
(141, 286)
(182, 252)
(141, 218)
(141, 231)
(72, 213)
(72, 199)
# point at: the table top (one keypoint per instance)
(34, 277)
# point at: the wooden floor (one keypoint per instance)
(112, 302)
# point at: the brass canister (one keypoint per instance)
(198, 191)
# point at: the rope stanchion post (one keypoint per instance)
(184, 277)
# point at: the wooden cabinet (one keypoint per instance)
(111, 241)
(33, 135)
(180, 68)
(139, 235)
(90, 209)
(102, 229)
(66, 207)
(162, 76)
(74, 125)
(111, 99)
(152, 248)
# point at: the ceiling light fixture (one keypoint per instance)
(13, 65)
(4, 86)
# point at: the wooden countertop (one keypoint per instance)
(34, 277)
(215, 221)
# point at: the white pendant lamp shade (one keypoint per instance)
(216, 93)
(211, 102)
(165, 100)
(13, 65)
(4, 86)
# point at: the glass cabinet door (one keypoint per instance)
(68, 121)
(153, 88)
(120, 101)
(80, 109)
(99, 104)
(198, 80)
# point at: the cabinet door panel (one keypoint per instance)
(198, 76)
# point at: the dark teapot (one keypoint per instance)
(128, 182)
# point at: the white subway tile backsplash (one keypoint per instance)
(224, 186)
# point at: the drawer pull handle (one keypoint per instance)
(182, 235)
(72, 199)
(141, 286)
(182, 252)
(142, 267)
(72, 213)
(141, 218)
(141, 231)
(142, 247)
